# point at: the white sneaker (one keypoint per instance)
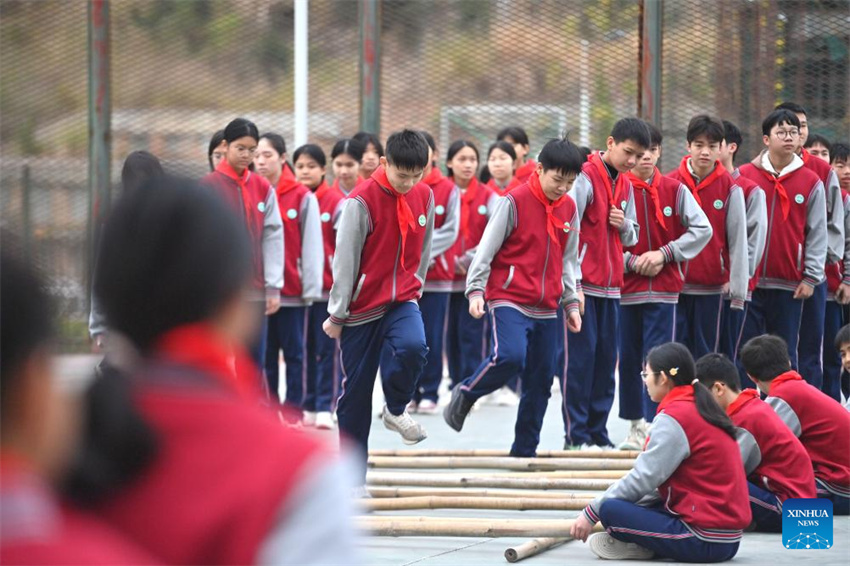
(506, 397)
(324, 421)
(427, 407)
(411, 432)
(637, 436)
(607, 547)
(412, 407)
(308, 418)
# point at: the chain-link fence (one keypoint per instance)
(181, 69)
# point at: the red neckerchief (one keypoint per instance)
(525, 171)
(406, 221)
(805, 155)
(787, 376)
(784, 201)
(434, 176)
(551, 221)
(499, 190)
(680, 392)
(596, 159)
(685, 173)
(652, 189)
(287, 181)
(341, 191)
(225, 169)
(322, 190)
(465, 204)
(201, 347)
(745, 397)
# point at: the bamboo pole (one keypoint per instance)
(391, 492)
(428, 480)
(577, 475)
(533, 547)
(467, 527)
(428, 452)
(519, 464)
(499, 503)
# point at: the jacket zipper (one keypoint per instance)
(395, 270)
(359, 287)
(545, 267)
(510, 278)
(799, 257)
(722, 264)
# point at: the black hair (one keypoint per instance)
(777, 118)
(407, 149)
(215, 141)
(712, 368)
(633, 129)
(429, 139)
(313, 151)
(196, 260)
(765, 357)
(504, 146)
(676, 361)
(819, 140)
(456, 146)
(239, 128)
(839, 152)
(562, 155)
(366, 138)
(276, 141)
(348, 146)
(515, 133)
(585, 151)
(793, 107)
(843, 337)
(705, 125)
(732, 134)
(138, 169)
(655, 136)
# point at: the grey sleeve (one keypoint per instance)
(316, 524)
(834, 219)
(756, 227)
(750, 452)
(816, 237)
(568, 274)
(350, 237)
(312, 249)
(425, 258)
(273, 243)
(630, 230)
(699, 231)
(446, 235)
(582, 194)
(846, 207)
(667, 448)
(498, 229)
(786, 413)
(736, 240)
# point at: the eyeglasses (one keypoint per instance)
(787, 134)
(645, 374)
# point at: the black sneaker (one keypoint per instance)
(457, 409)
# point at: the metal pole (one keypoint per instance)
(649, 94)
(370, 65)
(302, 76)
(26, 210)
(100, 113)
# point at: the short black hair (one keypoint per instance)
(633, 129)
(655, 136)
(348, 146)
(765, 357)
(315, 152)
(276, 141)
(732, 134)
(139, 168)
(793, 107)
(215, 141)
(777, 118)
(562, 155)
(195, 260)
(517, 134)
(407, 149)
(819, 140)
(430, 139)
(705, 125)
(712, 368)
(239, 128)
(585, 151)
(843, 337)
(839, 153)
(366, 138)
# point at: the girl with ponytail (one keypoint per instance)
(686, 497)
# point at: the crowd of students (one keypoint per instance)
(511, 270)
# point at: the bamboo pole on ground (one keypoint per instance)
(518, 464)
(457, 527)
(393, 492)
(461, 502)
(428, 480)
(533, 547)
(427, 452)
(577, 475)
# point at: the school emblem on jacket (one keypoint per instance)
(566, 226)
(292, 214)
(325, 217)
(799, 199)
(440, 209)
(718, 204)
(482, 210)
(422, 220)
(261, 206)
(623, 205)
(668, 211)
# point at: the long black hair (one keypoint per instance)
(139, 168)
(215, 141)
(278, 144)
(676, 361)
(455, 148)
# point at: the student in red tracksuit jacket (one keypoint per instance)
(254, 200)
(228, 484)
(302, 275)
(524, 268)
(776, 463)
(795, 253)
(811, 344)
(674, 229)
(838, 278)
(819, 421)
(501, 163)
(382, 250)
(686, 497)
(346, 157)
(523, 167)
(722, 266)
(322, 351)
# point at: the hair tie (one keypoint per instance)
(695, 381)
(673, 371)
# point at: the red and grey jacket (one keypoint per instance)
(518, 264)
(254, 199)
(774, 459)
(330, 199)
(595, 192)
(821, 424)
(476, 206)
(376, 263)
(441, 272)
(839, 272)
(302, 236)
(834, 208)
(796, 227)
(522, 173)
(756, 221)
(695, 470)
(671, 221)
(725, 258)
